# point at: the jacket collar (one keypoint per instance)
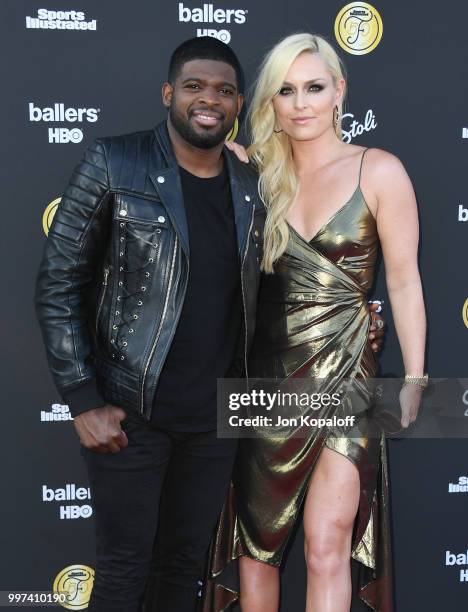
(242, 197)
(166, 181)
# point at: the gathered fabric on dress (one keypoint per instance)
(313, 322)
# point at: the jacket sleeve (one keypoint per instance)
(71, 258)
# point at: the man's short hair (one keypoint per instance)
(204, 48)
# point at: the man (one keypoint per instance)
(146, 294)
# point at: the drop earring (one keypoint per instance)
(336, 116)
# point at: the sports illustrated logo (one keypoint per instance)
(70, 493)
(60, 20)
(460, 559)
(58, 113)
(462, 213)
(465, 132)
(58, 412)
(209, 14)
(77, 582)
(358, 28)
(351, 128)
(460, 487)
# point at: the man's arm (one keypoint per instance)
(70, 260)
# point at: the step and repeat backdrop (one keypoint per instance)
(76, 69)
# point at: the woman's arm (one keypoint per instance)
(398, 228)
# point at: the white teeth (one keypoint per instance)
(206, 116)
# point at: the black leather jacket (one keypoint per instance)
(114, 272)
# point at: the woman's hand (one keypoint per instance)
(410, 399)
(238, 149)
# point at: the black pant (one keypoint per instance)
(171, 484)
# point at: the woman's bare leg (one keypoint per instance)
(259, 586)
(330, 509)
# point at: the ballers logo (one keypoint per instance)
(454, 559)
(58, 113)
(209, 14)
(358, 28)
(66, 494)
(76, 581)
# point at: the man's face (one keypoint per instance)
(203, 102)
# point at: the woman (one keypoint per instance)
(329, 207)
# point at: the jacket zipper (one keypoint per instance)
(103, 293)
(174, 325)
(242, 289)
(171, 274)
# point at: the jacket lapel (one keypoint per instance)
(242, 199)
(167, 184)
(166, 181)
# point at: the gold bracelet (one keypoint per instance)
(421, 381)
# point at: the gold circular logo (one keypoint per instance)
(49, 215)
(76, 581)
(465, 312)
(358, 28)
(233, 133)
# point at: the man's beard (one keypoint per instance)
(208, 140)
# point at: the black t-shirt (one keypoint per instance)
(206, 337)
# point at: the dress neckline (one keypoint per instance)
(334, 215)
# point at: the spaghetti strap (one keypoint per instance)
(360, 167)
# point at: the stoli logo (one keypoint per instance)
(355, 128)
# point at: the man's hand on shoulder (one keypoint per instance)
(238, 149)
(377, 328)
(99, 429)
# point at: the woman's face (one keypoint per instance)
(305, 102)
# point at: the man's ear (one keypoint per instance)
(167, 91)
(240, 102)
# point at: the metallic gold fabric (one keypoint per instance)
(313, 321)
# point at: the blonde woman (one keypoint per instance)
(330, 205)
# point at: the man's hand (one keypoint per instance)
(99, 429)
(377, 328)
(238, 149)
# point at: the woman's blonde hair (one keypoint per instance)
(271, 151)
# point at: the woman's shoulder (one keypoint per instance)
(383, 176)
(381, 169)
(381, 161)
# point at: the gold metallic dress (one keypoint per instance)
(313, 321)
